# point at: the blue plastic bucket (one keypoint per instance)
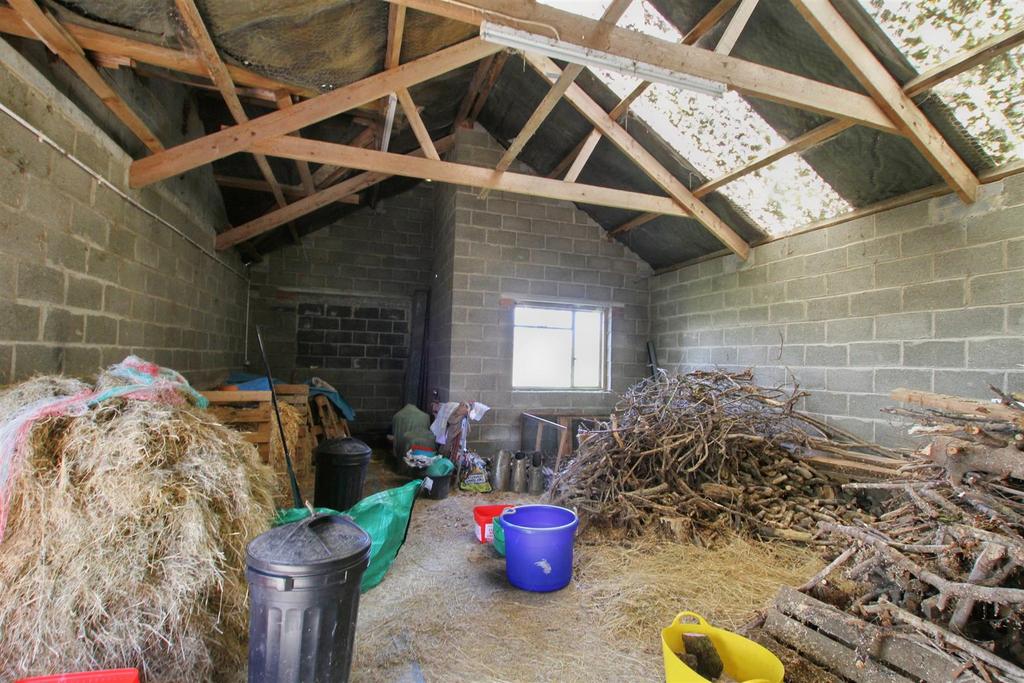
(538, 546)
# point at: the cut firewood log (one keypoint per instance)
(960, 457)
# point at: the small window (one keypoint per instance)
(559, 347)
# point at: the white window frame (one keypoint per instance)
(605, 356)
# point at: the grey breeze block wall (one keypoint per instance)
(338, 305)
(508, 247)
(927, 296)
(86, 277)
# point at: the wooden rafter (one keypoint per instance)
(419, 129)
(115, 46)
(492, 77)
(392, 58)
(254, 185)
(618, 136)
(577, 159)
(735, 27)
(479, 77)
(327, 174)
(284, 101)
(306, 205)
(241, 137)
(906, 116)
(983, 52)
(62, 43)
(209, 56)
(746, 77)
(462, 174)
(612, 14)
(632, 224)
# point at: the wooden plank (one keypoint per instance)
(240, 138)
(462, 174)
(585, 150)
(607, 21)
(633, 223)
(833, 656)
(746, 77)
(284, 101)
(735, 27)
(419, 129)
(62, 43)
(907, 654)
(906, 116)
(479, 76)
(328, 175)
(984, 52)
(261, 435)
(863, 470)
(109, 44)
(803, 142)
(290, 191)
(208, 55)
(306, 205)
(236, 396)
(618, 136)
(485, 89)
(241, 415)
(396, 29)
(956, 404)
(291, 389)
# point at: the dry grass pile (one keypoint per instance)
(125, 544)
(291, 420)
(637, 588)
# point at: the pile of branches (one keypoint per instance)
(697, 454)
(946, 557)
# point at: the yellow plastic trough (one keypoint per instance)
(744, 660)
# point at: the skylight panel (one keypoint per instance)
(988, 100)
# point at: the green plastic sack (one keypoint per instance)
(441, 467)
(385, 516)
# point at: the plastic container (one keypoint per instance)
(744, 660)
(484, 516)
(438, 487)
(538, 546)
(304, 596)
(105, 676)
(499, 536)
(340, 473)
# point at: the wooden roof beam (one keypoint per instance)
(884, 89)
(633, 223)
(210, 58)
(284, 101)
(254, 185)
(62, 43)
(328, 174)
(735, 27)
(241, 137)
(982, 53)
(618, 136)
(419, 129)
(572, 165)
(485, 90)
(611, 15)
(748, 78)
(475, 85)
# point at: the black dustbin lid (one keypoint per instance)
(347, 451)
(316, 545)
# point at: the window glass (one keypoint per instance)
(559, 347)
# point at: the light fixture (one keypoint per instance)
(577, 54)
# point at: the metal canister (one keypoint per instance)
(501, 472)
(519, 475)
(536, 479)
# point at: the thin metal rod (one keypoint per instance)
(541, 419)
(296, 496)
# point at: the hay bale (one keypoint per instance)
(125, 543)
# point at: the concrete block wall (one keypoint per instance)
(508, 248)
(929, 296)
(86, 276)
(323, 304)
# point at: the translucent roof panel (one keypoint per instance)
(718, 135)
(989, 99)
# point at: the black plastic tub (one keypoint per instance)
(439, 486)
(304, 598)
(340, 473)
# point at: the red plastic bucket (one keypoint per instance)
(484, 516)
(108, 676)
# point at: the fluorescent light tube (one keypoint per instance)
(577, 54)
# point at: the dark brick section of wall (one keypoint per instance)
(361, 337)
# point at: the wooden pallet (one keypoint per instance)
(852, 648)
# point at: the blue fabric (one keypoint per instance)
(248, 382)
